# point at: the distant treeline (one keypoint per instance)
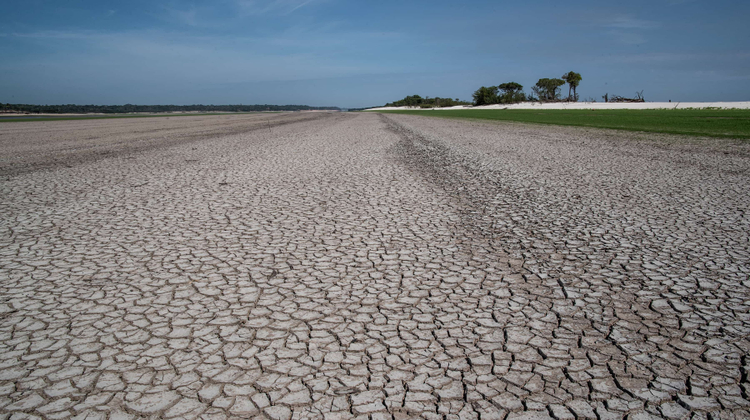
(416, 100)
(128, 108)
(545, 90)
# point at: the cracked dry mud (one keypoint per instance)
(375, 267)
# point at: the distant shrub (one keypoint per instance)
(486, 95)
(416, 100)
(548, 89)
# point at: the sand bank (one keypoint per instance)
(589, 105)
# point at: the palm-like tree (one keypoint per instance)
(573, 79)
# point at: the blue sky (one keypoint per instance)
(361, 53)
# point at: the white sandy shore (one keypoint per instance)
(589, 105)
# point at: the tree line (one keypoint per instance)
(129, 108)
(545, 90)
(436, 102)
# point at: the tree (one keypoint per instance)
(426, 102)
(573, 79)
(548, 89)
(512, 92)
(485, 95)
(413, 100)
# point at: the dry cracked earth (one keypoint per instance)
(336, 266)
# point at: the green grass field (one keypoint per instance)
(104, 117)
(726, 123)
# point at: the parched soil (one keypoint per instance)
(29, 146)
(370, 266)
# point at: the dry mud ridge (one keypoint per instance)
(339, 266)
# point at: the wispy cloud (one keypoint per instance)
(276, 7)
(303, 4)
(678, 57)
(187, 17)
(627, 37)
(179, 57)
(57, 35)
(227, 12)
(629, 22)
(656, 57)
(627, 29)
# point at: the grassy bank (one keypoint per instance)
(726, 123)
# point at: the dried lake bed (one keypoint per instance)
(357, 265)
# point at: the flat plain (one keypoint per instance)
(372, 266)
